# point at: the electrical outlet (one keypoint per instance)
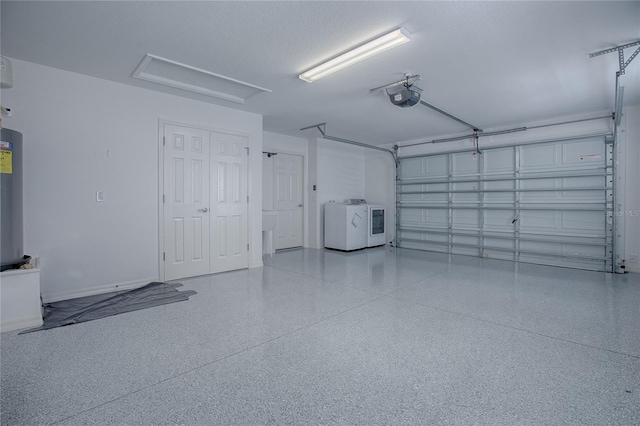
(633, 258)
(99, 196)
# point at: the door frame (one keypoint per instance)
(210, 128)
(305, 192)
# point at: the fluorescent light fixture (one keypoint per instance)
(367, 50)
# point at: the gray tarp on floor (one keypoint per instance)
(82, 309)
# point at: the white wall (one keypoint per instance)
(380, 186)
(315, 216)
(378, 170)
(274, 142)
(340, 176)
(629, 139)
(70, 122)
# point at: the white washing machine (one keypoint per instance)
(345, 226)
(376, 225)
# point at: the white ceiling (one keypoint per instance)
(492, 64)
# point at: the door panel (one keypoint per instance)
(230, 193)
(288, 199)
(186, 164)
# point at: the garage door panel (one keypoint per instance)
(500, 184)
(498, 249)
(499, 220)
(584, 153)
(587, 196)
(424, 217)
(462, 239)
(494, 197)
(436, 165)
(592, 223)
(539, 221)
(436, 217)
(465, 218)
(583, 182)
(498, 161)
(499, 197)
(496, 243)
(561, 261)
(562, 249)
(544, 184)
(412, 217)
(466, 186)
(436, 187)
(497, 255)
(413, 168)
(536, 158)
(464, 165)
(465, 251)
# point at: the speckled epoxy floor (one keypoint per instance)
(323, 337)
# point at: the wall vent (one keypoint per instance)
(174, 74)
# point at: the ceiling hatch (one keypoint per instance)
(174, 74)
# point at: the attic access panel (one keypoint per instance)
(175, 74)
(547, 203)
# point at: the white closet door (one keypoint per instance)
(186, 202)
(229, 192)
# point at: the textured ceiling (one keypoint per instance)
(490, 63)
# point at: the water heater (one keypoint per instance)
(11, 222)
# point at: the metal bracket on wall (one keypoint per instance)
(619, 91)
(620, 49)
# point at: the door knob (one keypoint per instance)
(299, 205)
(204, 210)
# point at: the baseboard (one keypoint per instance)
(634, 270)
(19, 323)
(256, 265)
(130, 285)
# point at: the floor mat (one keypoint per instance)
(82, 309)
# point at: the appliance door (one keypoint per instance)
(376, 221)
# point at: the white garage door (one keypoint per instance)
(546, 203)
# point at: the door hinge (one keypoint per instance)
(247, 247)
(247, 148)
(164, 256)
(163, 199)
(247, 198)
(164, 140)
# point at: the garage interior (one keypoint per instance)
(201, 142)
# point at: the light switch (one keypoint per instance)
(99, 196)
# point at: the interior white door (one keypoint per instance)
(186, 202)
(288, 200)
(229, 191)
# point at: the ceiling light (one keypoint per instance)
(380, 44)
(185, 77)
